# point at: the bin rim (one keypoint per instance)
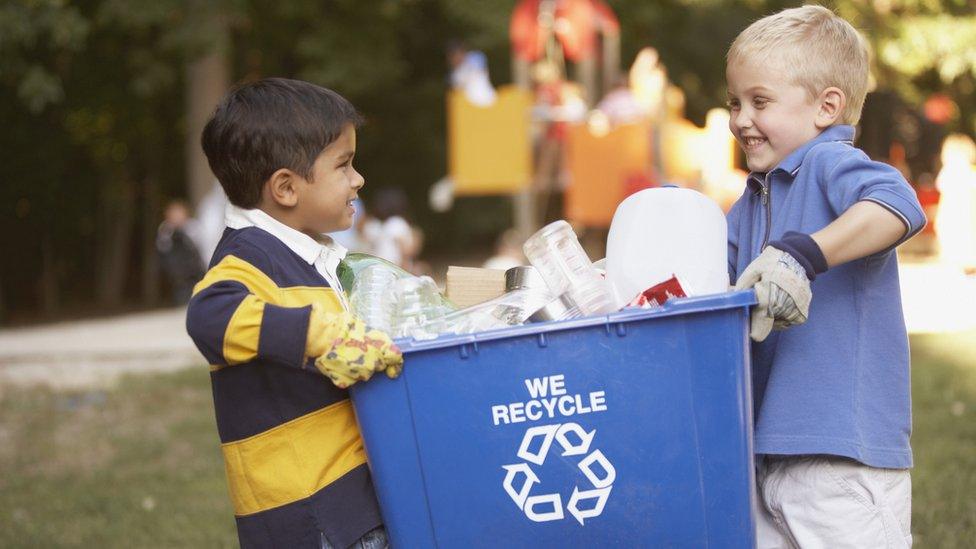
(672, 307)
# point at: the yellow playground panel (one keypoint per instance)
(489, 149)
(604, 169)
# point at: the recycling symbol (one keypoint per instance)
(552, 504)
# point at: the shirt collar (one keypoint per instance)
(792, 163)
(303, 245)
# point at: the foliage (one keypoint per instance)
(36, 38)
(93, 91)
(922, 47)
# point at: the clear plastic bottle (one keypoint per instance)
(556, 252)
(417, 302)
(510, 309)
(385, 296)
(370, 297)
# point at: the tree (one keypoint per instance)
(101, 115)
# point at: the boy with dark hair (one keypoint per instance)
(271, 318)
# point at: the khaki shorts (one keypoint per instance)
(831, 502)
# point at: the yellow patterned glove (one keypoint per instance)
(347, 351)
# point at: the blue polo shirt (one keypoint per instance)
(838, 384)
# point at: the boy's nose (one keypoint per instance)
(740, 121)
(358, 181)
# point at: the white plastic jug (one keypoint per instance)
(660, 232)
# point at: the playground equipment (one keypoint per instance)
(604, 170)
(580, 31)
(489, 146)
(532, 143)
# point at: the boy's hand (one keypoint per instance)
(782, 289)
(348, 351)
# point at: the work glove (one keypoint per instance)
(782, 290)
(781, 277)
(347, 351)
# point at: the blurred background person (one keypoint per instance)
(648, 81)
(387, 233)
(210, 221)
(469, 74)
(620, 105)
(955, 223)
(558, 103)
(179, 253)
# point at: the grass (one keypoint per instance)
(140, 466)
(944, 440)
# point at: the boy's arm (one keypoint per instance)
(866, 228)
(232, 320)
(879, 211)
(876, 209)
(347, 351)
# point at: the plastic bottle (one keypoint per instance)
(417, 302)
(556, 252)
(509, 309)
(371, 299)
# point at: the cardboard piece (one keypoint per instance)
(467, 286)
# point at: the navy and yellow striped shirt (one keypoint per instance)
(295, 462)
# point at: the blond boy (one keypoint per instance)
(814, 234)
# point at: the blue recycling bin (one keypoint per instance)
(631, 429)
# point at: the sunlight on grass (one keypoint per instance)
(944, 440)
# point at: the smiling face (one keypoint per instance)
(324, 201)
(771, 117)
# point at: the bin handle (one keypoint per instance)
(463, 348)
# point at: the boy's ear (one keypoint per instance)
(282, 187)
(832, 102)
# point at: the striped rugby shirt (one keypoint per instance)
(295, 462)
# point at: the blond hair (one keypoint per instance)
(815, 47)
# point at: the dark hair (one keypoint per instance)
(390, 201)
(263, 126)
(455, 45)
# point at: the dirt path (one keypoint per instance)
(93, 353)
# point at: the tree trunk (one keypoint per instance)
(115, 243)
(50, 291)
(150, 259)
(207, 81)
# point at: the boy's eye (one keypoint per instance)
(759, 102)
(732, 104)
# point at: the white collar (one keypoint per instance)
(303, 245)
